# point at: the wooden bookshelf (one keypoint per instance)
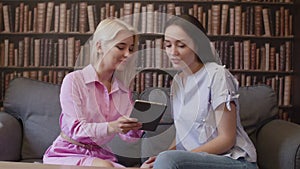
(255, 39)
(296, 90)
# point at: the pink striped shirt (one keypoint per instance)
(87, 107)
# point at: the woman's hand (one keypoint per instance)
(148, 163)
(123, 125)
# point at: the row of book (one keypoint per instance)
(51, 76)
(151, 54)
(247, 55)
(247, 20)
(83, 17)
(280, 84)
(143, 80)
(244, 55)
(39, 52)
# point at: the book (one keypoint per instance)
(21, 17)
(26, 19)
(231, 21)
(30, 20)
(258, 20)
(267, 56)
(136, 15)
(144, 19)
(266, 21)
(11, 54)
(236, 55)
(1, 18)
(215, 19)
(20, 53)
(158, 52)
(150, 18)
(70, 51)
(68, 20)
(37, 46)
(91, 19)
(82, 17)
(288, 55)
(253, 59)
(286, 22)
(26, 51)
(72, 17)
(224, 18)
(287, 91)
(238, 20)
(62, 17)
(2, 51)
(128, 12)
(41, 13)
(247, 52)
(76, 18)
(17, 16)
(6, 18)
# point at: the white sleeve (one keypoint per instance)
(224, 88)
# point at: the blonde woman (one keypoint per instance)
(96, 101)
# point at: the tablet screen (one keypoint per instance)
(148, 113)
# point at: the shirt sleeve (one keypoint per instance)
(224, 88)
(74, 118)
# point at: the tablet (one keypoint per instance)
(148, 113)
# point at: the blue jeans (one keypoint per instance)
(178, 159)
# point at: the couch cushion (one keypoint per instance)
(258, 105)
(10, 138)
(37, 105)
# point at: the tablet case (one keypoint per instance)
(148, 113)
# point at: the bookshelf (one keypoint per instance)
(255, 40)
(296, 90)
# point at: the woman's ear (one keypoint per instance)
(99, 47)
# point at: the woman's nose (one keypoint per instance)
(127, 52)
(174, 50)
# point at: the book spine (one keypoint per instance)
(62, 17)
(91, 19)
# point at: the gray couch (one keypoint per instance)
(29, 124)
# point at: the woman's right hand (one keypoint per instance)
(123, 125)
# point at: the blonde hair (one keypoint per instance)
(105, 32)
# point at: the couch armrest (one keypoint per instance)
(278, 145)
(10, 138)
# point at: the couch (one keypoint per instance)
(29, 124)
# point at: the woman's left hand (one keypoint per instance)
(148, 163)
(123, 125)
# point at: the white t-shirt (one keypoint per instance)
(194, 105)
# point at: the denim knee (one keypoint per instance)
(165, 160)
